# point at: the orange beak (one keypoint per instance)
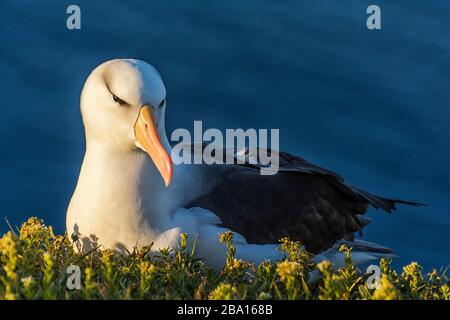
(148, 139)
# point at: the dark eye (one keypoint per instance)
(118, 100)
(162, 103)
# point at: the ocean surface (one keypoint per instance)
(371, 105)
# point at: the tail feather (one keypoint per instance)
(369, 247)
(383, 203)
(362, 252)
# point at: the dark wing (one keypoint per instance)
(302, 201)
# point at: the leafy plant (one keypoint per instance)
(34, 264)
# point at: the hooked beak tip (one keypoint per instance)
(147, 138)
(168, 175)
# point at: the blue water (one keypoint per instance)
(371, 105)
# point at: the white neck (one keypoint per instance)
(119, 193)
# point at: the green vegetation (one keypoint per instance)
(34, 266)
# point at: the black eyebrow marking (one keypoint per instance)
(121, 101)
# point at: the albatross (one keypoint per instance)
(130, 193)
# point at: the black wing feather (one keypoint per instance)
(303, 201)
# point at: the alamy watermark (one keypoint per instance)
(73, 21)
(74, 277)
(237, 147)
(374, 280)
(373, 22)
(250, 146)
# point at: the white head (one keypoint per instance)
(122, 105)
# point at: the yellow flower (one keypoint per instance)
(413, 269)
(8, 254)
(48, 260)
(223, 291)
(324, 266)
(288, 270)
(27, 282)
(386, 290)
(147, 268)
(10, 296)
(34, 228)
(445, 291)
(226, 237)
(8, 245)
